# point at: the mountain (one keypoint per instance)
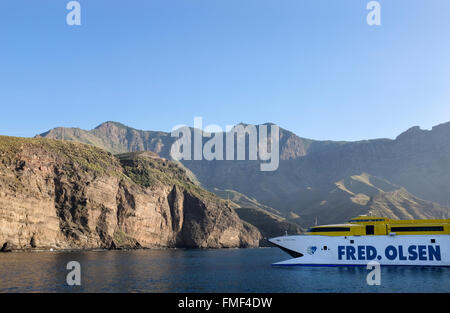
(116, 138)
(364, 194)
(67, 195)
(269, 221)
(417, 161)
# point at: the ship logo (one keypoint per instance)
(311, 250)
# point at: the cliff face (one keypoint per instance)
(65, 195)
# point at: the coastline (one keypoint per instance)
(41, 250)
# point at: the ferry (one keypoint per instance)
(370, 238)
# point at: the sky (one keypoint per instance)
(314, 67)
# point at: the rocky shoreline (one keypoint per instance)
(43, 250)
(65, 195)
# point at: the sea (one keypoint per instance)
(202, 271)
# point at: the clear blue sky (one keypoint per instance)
(312, 66)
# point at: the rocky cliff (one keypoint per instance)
(65, 195)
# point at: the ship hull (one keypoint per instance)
(398, 250)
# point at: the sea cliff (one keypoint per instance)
(67, 195)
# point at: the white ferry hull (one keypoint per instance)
(316, 250)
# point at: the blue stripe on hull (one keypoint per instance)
(320, 265)
(354, 265)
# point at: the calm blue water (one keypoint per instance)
(229, 270)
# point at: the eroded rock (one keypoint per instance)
(67, 195)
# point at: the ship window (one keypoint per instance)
(417, 228)
(324, 247)
(352, 241)
(433, 240)
(327, 229)
(370, 230)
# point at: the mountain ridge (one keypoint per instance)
(416, 160)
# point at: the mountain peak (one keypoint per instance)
(411, 132)
(415, 132)
(109, 124)
(444, 127)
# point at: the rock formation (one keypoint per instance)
(66, 195)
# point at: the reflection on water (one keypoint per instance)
(228, 270)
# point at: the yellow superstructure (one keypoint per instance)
(374, 225)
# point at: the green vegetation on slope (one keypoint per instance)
(147, 169)
(83, 156)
